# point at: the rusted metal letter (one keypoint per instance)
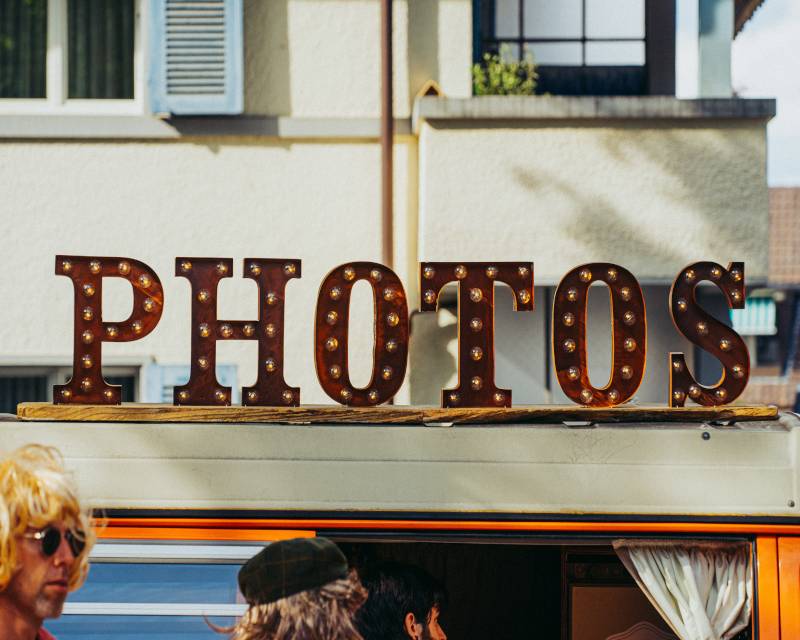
(476, 281)
(709, 334)
(87, 385)
(271, 276)
(391, 334)
(628, 327)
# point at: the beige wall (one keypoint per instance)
(245, 197)
(319, 200)
(522, 349)
(650, 195)
(321, 59)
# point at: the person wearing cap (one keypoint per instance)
(45, 539)
(299, 589)
(404, 602)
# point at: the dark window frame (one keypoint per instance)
(655, 77)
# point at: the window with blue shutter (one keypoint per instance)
(196, 57)
(160, 380)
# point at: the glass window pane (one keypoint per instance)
(80, 627)
(100, 48)
(615, 53)
(555, 53)
(21, 389)
(549, 19)
(128, 384)
(509, 51)
(23, 47)
(160, 583)
(615, 19)
(506, 19)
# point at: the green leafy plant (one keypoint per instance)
(498, 74)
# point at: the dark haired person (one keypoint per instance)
(45, 539)
(404, 602)
(299, 589)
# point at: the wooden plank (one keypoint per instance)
(572, 413)
(310, 414)
(143, 412)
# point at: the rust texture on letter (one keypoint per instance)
(271, 276)
(476, 281)
(391, 334)
(87, 385)
(628, 327)
(709, 334)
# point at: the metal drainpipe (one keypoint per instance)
(387, 135)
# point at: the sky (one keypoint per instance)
(765, 64)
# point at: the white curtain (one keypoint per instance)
(704, 590)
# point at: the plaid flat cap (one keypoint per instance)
(287, 567)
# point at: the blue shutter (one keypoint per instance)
(196, 57)
(160, 380)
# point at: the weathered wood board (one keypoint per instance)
(390, 414)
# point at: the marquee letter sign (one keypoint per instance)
(476, 280)
(709, 334)
(628, 327)
(476, 366)
(87, 385)
(271, 277)
(391, 334)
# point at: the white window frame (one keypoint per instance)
(56, 69)
(183, 552)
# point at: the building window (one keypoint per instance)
(35, 384)
(62, 55)
(580, 46)
(158, 590)
(100, 49)
(23, 48)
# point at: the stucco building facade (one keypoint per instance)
(646, 181)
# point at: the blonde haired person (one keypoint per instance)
(45, 539)
(299, 589)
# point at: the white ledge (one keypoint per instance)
(533, 108)
(111, 127)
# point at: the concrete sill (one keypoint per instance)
(548, 108)
(122, 127)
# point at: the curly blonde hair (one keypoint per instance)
(35, 491)
(325, 613)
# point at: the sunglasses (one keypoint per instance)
(50, 537)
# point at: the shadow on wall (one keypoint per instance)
(599, 222)
(267, 79)
(697, 176)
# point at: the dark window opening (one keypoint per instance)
(21, 389)
(100, 45)
(579, 46)
(128, 393)
(23, 48)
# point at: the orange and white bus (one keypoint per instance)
(530, 527)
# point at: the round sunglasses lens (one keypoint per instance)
(77, 543)
(51, 541)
